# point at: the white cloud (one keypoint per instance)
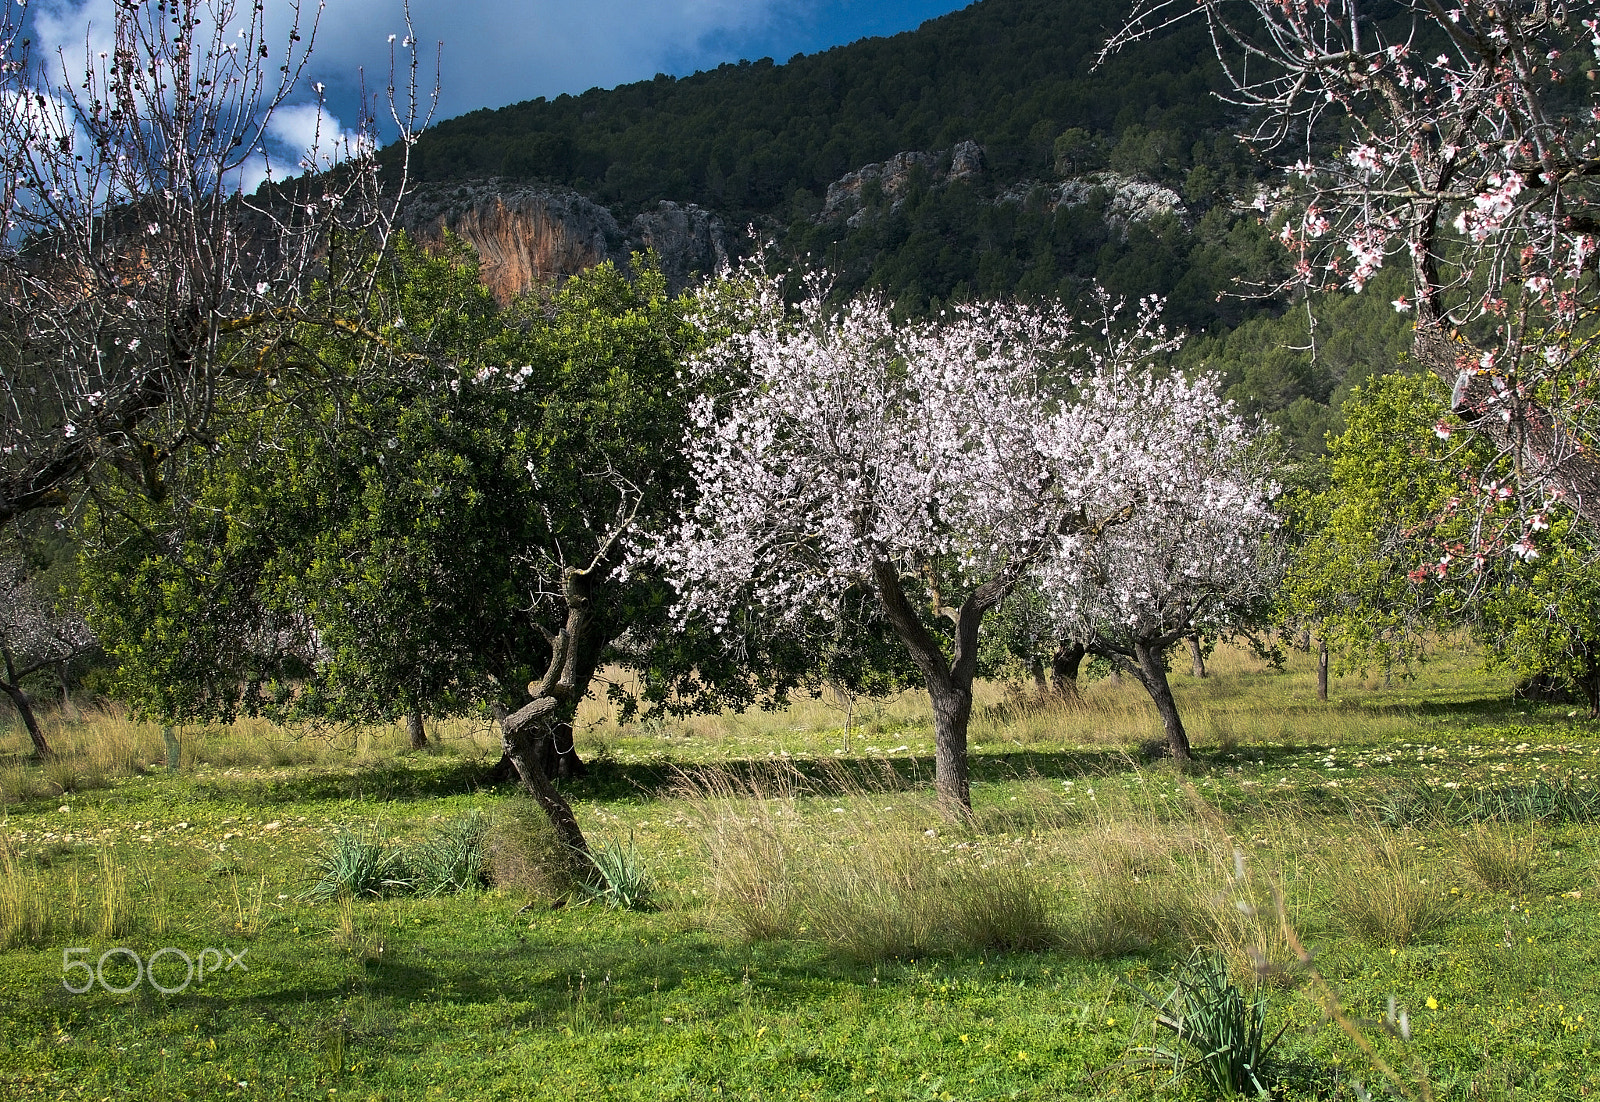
(309, 134)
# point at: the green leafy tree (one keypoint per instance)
(1402, 544)
(431, 542)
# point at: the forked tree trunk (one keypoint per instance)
(41, 748)
(418, 736)
(1197, 658)
(949, 679)
(1322, 669)
(1151, 670)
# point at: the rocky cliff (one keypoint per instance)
(528, 234)
(1128, 199)
(847, 196)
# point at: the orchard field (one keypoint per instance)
(811, 927)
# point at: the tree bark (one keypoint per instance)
(1151, 670)
(418, 736)
(949, 680)
(522, 751)
(1064, 666)
(41, 748)
(1197, 658)
(952, 708)
(1589, 683)
(1322, 669)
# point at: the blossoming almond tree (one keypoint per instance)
(1191, 554)
(924, 464)
(1459, 139)
(137, 285)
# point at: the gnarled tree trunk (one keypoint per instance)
(1197, 657)
(519, 742)
(1322, 669)
(1064, 666)
(41, 748)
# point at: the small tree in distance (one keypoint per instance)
(1192, 555)
(928, 465)
(35, 634)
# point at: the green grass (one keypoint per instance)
(818, 931)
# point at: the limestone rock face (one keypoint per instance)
(1130, 199)
(691, 241)
(845, 195)
(530, 234)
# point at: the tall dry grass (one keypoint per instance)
(40, 905)
(1382, 885)
(855, 861)
(869, 870)
(95, 744)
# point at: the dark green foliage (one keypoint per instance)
(400, 546)
(761, 143)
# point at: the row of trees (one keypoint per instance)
(734, 496)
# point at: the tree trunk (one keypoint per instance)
(523, 752)
(1589, 683)
(1322, 669)
(949, 680)
(1197, 658)
(952, 708)
(1152, 673)
(1064, 666)
(68, 709)
(1040, 685)
(41, 748)
(419, 737)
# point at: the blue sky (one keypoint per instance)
(497, 52)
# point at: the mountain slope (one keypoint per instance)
(1010, 75)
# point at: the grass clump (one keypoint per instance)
(25, 917)
(525, 857)
(1221, 1035)
(872, 884)
(454, 860)
(1499, 860)
(1381, 890)
(620, 877)
(358, 863)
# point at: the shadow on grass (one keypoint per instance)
(414, 779)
